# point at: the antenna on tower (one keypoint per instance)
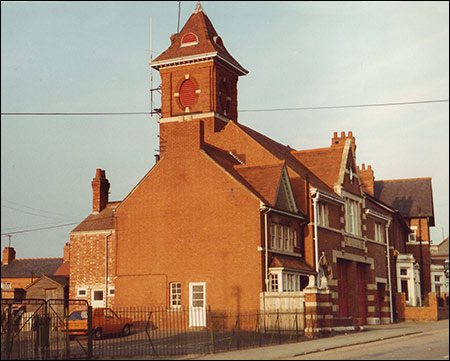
(9, 241)
(179, 11)
(152, 110)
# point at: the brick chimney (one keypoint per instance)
(9, 255)
(367, 178)
(66, 256)
(340, 141)
(100, 188)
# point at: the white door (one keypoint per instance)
(197, 308)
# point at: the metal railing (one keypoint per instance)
(143, 331)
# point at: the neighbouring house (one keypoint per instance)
(17, 274)
(230, 218)
(413, 198)
(91, 242)
(439, 267)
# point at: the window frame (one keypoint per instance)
(175, 295)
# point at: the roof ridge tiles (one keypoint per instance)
(38, 258)
(403, 179)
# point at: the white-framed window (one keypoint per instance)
(175, 295)
(352, 217)
(81, 292)
(379, 234)
(323, 215)
(6, 285)
(273, 235)
(283, 237)
(111, 291)
(280, 236)
(273, 282)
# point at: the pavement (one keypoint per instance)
(371, 333)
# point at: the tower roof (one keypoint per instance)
(198, 40)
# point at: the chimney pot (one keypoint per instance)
(342, 134)
(350, 134)
(335, 135)
(98, 173)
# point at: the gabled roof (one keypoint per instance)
(262, 188)
(412, 197)
(323, 162)
(284, 153)
(59, 280)
(265, 179)
(209, 44)
(33, 267)
(442, 249)
(101, 221)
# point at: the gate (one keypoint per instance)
(34, 329)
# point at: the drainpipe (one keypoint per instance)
(106, 268)
(389, 271)
(266, 256)
(316, 236)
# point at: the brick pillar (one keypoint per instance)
(318, 311)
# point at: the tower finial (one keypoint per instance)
(198, 8)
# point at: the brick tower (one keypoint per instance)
(198, 78)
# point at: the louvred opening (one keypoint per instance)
(187, 93)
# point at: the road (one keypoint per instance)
(432, 345)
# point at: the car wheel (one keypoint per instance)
(126, 330)
(98, 333)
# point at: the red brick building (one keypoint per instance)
(229, 217)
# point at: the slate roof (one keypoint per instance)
(442, 248)
(22, 268)
(412, 197)
(101, 221)
(200, 25)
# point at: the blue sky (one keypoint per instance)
(93, 57)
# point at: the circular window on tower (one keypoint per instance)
(187, 93)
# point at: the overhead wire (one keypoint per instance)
(243, 110)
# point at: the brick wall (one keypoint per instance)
(87, 263)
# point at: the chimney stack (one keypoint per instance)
(340, 141)
(9, 255)
(66, 256)
(100, 188)
(367, 178)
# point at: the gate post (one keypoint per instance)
(89, 310)
(211, 329)
(8, 332)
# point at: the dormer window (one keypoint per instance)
(218, 41)
(189, 39)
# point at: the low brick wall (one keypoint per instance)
(432, 312)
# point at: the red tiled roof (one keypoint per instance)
(412, 197)
(284, 153)
(265, 179)
(201, 26)
(291, 262)
(324, 162)
(243, 175)
(103, 220)
(63, 270)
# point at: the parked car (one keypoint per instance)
(104, 322)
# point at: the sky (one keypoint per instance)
(92, 57)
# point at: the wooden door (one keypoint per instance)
(362, 305)
(343, 288)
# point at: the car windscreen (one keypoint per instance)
(78, 315)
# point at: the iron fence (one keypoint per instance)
(143, 331)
